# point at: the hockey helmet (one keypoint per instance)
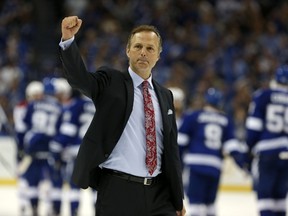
(178, 93)
(281, 75)
(62, 87)
(34, 88)
(214, 97)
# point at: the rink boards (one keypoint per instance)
(232, 179)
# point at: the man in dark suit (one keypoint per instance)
(112, 157)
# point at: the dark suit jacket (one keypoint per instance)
(112, 94)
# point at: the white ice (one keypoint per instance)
(227, 204)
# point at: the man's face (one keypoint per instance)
(143, 53)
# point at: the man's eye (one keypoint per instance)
(150, 49)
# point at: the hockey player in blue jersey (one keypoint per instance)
(211, 135)
(78, 112)
(42, 119)
(33, 91)
(267, 138)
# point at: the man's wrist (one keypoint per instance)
(64, 44)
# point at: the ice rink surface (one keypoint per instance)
(227, 204)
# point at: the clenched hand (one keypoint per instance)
(70, 26)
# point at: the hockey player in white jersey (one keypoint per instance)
(267, 138)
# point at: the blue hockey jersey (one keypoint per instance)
(42, 120)
(211, 135)
(77, 115)
(267, 122)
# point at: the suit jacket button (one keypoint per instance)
(106, 155)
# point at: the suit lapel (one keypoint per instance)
(162, 103)
(130, 96)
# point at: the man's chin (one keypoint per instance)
(142, 67)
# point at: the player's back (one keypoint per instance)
(43, 119)
(208, 131)
(267, 123)
(77, 116)
(276, 103)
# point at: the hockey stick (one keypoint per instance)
(24, 165)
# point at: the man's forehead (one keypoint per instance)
(145, 36)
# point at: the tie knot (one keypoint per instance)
(145, 84)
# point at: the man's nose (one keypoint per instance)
(143, 52)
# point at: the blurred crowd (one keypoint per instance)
(234, 45)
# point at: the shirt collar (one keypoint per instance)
(137, 80)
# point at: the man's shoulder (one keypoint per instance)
(111, 71)
(161, 87)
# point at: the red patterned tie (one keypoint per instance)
(151, 154)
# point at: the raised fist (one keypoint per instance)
(70, 26)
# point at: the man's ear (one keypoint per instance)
(128, 52)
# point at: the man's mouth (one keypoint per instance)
(143, 60)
